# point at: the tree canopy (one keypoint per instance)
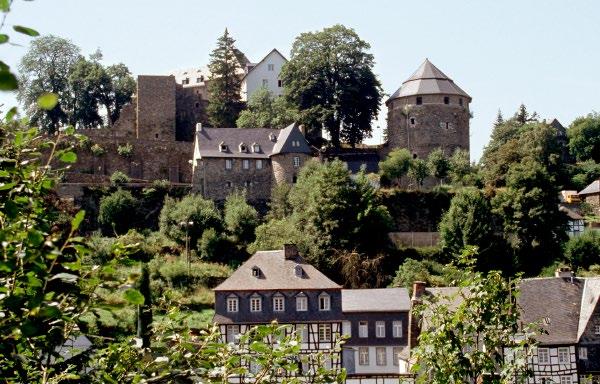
(330, 80)
(267, 111)
(584, 137)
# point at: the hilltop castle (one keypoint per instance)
(164, 129)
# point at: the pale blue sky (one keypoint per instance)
(545, 54)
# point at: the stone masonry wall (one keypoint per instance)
(422, 128)
(156, 107)
(283, 167)
(191, 109)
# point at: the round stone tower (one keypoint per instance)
(428, 111)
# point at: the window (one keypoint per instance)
(295, 143)
(156, 135)
(255, 148)
(223, 147)
(380, 356)
(446, 100)
(259, 164)
(198, 80)
(280, 83)
(412, 121)
(228, 163)
(543, 356)
(460, 102)
(324, 302)
(255, 304)
(247, 183)
(563, 355)
(379, 329)
(419, 100)
(325, 332)
(565, 380)
(363, 355)
(185, 81)
(583, 353)
(228, 184)
(278, 303)
(271, 67)
(397, 329)
(265, 83)
(232, 332)
(246, 164)
(301, 303)
(296, 162)
(302, 331)
(255, 271)
(243, 148)
(597, 329)
(415, 155)
(397, 352)
(363, 329)
(232, 304)
(347, 328)
(298, 271)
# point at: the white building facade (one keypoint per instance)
(264, 74)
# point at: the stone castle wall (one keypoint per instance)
(156, 107)
(191, 109)
(423, 128)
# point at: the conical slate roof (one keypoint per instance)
(428, 80)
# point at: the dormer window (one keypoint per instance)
(298, 271)
(324, 302)
(272, 137)
(243, 147)
(255, 148)
(223, 147)
(255, 271)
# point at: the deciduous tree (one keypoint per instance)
(584, 137)
(396, 164)
(266, 111)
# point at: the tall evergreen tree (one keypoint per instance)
(224, 86)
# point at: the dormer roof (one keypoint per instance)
(428, 80)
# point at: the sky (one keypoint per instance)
(543, 53)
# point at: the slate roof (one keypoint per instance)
(375, 300)
(589, 301)
(428, 80)
(277, 273)
(594, 187)
(208, 141)
(554, 303)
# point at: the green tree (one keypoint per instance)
(330, 80)
(438, 163)
(117, 212)
(267, 111)
(584, 137)
(46, 68)
(396, 164)
(418, 171)
(241, 219)
(583, 251)
(122, 87)
(462, 173)
(522, 116)
(87, 79)
(471, 333)
(224, 83)
(190, 217)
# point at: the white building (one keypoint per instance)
(265, 73)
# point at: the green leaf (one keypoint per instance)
(77, 220)
(4, 5)
(35, 237)
(47, 101)
(68, 157)
(66, 277)
(10, 115)
(26, 30)
(3, 38)
(133, 296)
(8, 81)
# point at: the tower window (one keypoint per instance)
(296, 162)
(414, 156)
(446, 100)
(419, 100)
(460, 102)
(447, 125)
(280, 83)
(412, 121)
(197, 105)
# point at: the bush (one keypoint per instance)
(101, 249)
(118, 212)
(584, 250)
(119, 178)
(97, 150)
(241, 219)
(125, 150)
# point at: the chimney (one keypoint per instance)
(302, 129)
(290, 251)
(414, 329)
(564, 272)
(198, 127)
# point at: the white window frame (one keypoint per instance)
(302, 331)
(363, 355)
(363, 329)
(347, 328)
(566, 380)
(228, 163)
(255, 304)
(380, 329)
(563, 355)
(259, 164)
(597, 329)
(232, 332)
(397, 329)
(546, 353)
(278, 303)
(301, 303)
(396, 352)
(324, 302)
(233, 304)
(296, 162)
(583, 353)
(246, 164)
(380, 359)
(270, 67)
(255, 148)
(324, 333)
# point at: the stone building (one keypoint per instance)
(428, 111)
(253, 160)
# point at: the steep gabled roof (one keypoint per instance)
(276, 273)
(286, 137)
(589, 301)
(254, 65)
(594, 187)
(375, 300)
(428, 80)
